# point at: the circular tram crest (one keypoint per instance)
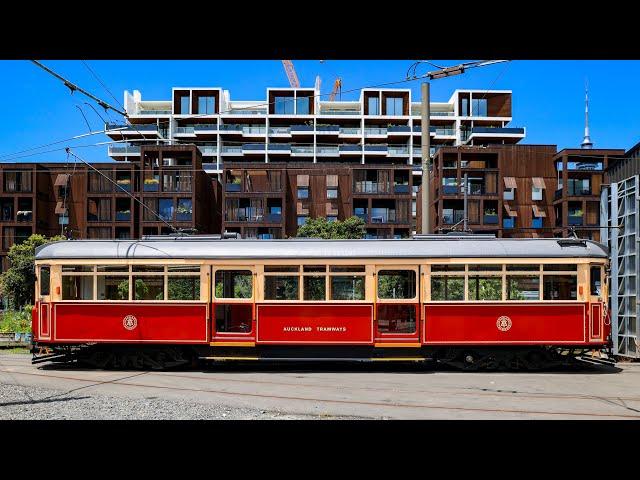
(504, 323)
(130, 322)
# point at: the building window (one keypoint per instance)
(281, 287)
(165, 208)
(184, 212)
(536, 193)
(45, 275)
(479, 107)
(77, 287)
(184, 105)
(394, 106)
(536, 222)
(302, 219)
(302, 105)
(332, 218)
(465, 107)
(234, 284)
(373, 106)
(396, 284)
(284, 105)
(447, 288)
(523, 288)
(485, 288)
(207, 105)
(509, 194)
(332, 192)
(303, 192)
(99, 210)
(560, 287)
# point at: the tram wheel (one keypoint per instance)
(470, 360)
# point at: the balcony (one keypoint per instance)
(351, 149)
(361, 213)
(399, 129)
(398, 151)
(490, 219)
(230, 128)
(233, 187)
(333, 111)
(350, 131)
(123, 150)
(376, 149)
(301, 150)
(401, 188)
(383, 215)
(123, 216)
(208, 149)
(328, 129)
(476, 189)
(576, 219)
(254, 148)
(248, 131)
(372, 187)
(498, 130)
(375, 132)
(327, 151)
(301, 129)
(280, 131)
(151, 184)
(450, 189)
(154, 112)
(231, 150)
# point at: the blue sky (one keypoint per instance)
(548, 96)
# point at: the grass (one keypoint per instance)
(19, 350)
(16, 321)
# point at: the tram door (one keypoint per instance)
(232, 310)
(597, 296)
(397, 310)
(42, 324)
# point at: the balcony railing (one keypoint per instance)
(350, 131)
(376, 148)
(208, 149)
(383, 215)
(301, 149)
(576, 219)
(398, 128)
(498, 130)
(351, 148)
(401, 188)
(131, 128)
(246, 111)
(231, 149)
(375, 131)
(301, 128)
(254, 130)
(254, 146)
(230, 127)
(366, 186)
(450, 189)
(327, 151)
(451, 218)
(490, 219)
(398, 151)
(123, 216)
(578, 191)
(328, 128)
(154, 112)
(233, 187)
(126, 149)
(279, 130)
(508, 222)
(329, 111)
(252, 214)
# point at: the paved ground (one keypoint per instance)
(318, 391)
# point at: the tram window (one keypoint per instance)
(183, 268)
(233, 317)
(314, 268)
(346, 268)
(523, 288)
(77, 268)
(281, 287)
(76, 287)
(560, 287)
(396, 318)
(485, 288)
(396, 284)
(447, 268)
(596, 272)
(113, 287)
(347, 287)
(113, 268)
(184, 287)
(523, 268)
(447, 288)
(234, 284)
(281, 268)
(45, 276)
(485, 268)
(315, 287)
(148, 268)
(148, 288)
(560, 268)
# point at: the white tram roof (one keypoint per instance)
(216, 248)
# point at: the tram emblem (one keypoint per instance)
(130, 322)
(504, 323)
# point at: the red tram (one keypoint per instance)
(470, 301)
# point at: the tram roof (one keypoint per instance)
(212, 248)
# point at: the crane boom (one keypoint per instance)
(291, 73)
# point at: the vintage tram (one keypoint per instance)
(471, 301)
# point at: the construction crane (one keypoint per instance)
(291, 73)
(337, 88)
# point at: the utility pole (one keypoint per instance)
(426, 112)
(426, 160)
(466, 194)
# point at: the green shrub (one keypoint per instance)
(16, 321)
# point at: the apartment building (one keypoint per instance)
(57, 198)
(374, 142)
(580, 175)
(509, 190)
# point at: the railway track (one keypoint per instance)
(127, 381)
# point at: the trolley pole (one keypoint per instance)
(426, 157)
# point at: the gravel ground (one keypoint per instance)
(18, 402)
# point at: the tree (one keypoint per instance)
(321, 228)
(17, 282)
